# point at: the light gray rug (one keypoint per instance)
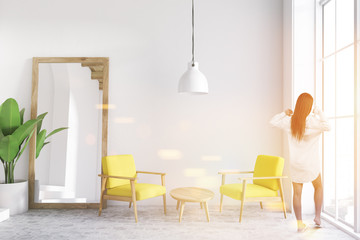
(117, 222)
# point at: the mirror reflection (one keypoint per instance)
(66, 169)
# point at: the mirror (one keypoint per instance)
(65, 172)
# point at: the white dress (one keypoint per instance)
(305, 160)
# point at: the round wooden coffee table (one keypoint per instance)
(192, 194)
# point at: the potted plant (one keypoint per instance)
(14, 138)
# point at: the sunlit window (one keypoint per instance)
(338, 102)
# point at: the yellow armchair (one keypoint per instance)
(267, 183)
(119, 182)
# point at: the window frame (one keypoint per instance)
(320, 10)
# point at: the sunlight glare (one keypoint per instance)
(194, 172)
(169, 154)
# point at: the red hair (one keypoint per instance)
(302, 110)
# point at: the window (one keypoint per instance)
(338, 57)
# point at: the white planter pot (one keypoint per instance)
(14, 196)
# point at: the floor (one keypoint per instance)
(117, 222)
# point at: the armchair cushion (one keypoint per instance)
(118, 165)
(268, 166)
(252, 190)
(143, 191)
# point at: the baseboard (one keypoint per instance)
(343, 227)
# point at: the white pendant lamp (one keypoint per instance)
(193, 81)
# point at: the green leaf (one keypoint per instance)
(26, 143)
(9, 116)
(1, 134)
(56, 131)
(40, 117)
(24, 130)
(22, 116)
(45, 143)
(9, 148)
(40, 142)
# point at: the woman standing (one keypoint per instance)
(304, 131)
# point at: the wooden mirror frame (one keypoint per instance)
(99, 67)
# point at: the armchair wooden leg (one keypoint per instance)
(241, 209)
(129, 204)
(242, 199)
(261, 206)
(100, 204)
(284, 208)
(103, 184)
(221, 201)
(133, 195)
(222, 195)
(164, 201)
(282, 198)
(135, 212)
(164, 196)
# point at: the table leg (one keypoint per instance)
(182, 205)
(201, 206)
(207, 211)
(177, 205)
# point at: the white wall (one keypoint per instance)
(287, 88)
(239, 48)
(304, 69)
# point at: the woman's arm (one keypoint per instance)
(323, 123)
(282, 120)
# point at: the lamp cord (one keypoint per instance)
(193, 38)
